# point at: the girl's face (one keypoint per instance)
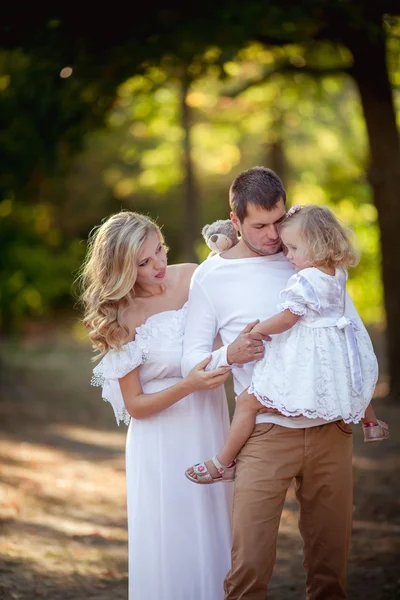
(296, 249)
(152, 261)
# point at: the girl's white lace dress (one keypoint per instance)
(179, 533)
(325, 365)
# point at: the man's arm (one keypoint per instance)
(201, 330)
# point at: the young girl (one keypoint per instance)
(321, 365)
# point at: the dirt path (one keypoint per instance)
(62, 491)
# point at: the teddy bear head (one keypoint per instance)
(220, 235)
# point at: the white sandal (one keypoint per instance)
(203, 475)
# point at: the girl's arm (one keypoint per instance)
(140, 405)
(277, 324)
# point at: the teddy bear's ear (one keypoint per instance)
(204, 230)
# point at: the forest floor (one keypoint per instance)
(63, 529)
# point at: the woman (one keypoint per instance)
(135, 306)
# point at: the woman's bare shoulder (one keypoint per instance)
(184, 269)
(182, 275)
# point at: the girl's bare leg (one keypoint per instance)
(247, 407)
(370, 416)
(241, 429)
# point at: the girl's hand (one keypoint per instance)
(199, 379)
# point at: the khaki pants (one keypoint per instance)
(320, 460)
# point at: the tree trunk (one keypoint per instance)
(371, 75)
(277, 159)
(190, 203)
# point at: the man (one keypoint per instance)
(229, 293)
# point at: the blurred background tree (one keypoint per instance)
(158, 110)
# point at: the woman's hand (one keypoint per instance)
(199, 379)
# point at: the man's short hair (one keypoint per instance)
(259, 186)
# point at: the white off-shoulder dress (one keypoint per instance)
(179, 534)
(324, 366)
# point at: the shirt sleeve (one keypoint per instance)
(298, 295)
(112, 367)
(200, 331)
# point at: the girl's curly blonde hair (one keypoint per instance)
(108, 276)
(329, 243)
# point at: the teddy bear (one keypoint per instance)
(220, 235)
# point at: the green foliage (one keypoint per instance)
(43, 117)
(318, 123)
(62, 79)
(36, 263)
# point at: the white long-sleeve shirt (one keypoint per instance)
(227, 294)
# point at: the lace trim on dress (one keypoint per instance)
(112, 367)
(161, 329)
(300, 292)
(115, 365)
(353, 417)
(296, 309)
(154, 327)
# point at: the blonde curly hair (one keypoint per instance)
(329, 242)
(108, 275)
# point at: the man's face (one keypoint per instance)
(259, 229)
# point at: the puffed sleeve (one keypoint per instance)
(112, 367)
(298, 295)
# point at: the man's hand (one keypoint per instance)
(247, 346)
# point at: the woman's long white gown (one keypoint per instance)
(179, 532)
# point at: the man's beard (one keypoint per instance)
(252, 248)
